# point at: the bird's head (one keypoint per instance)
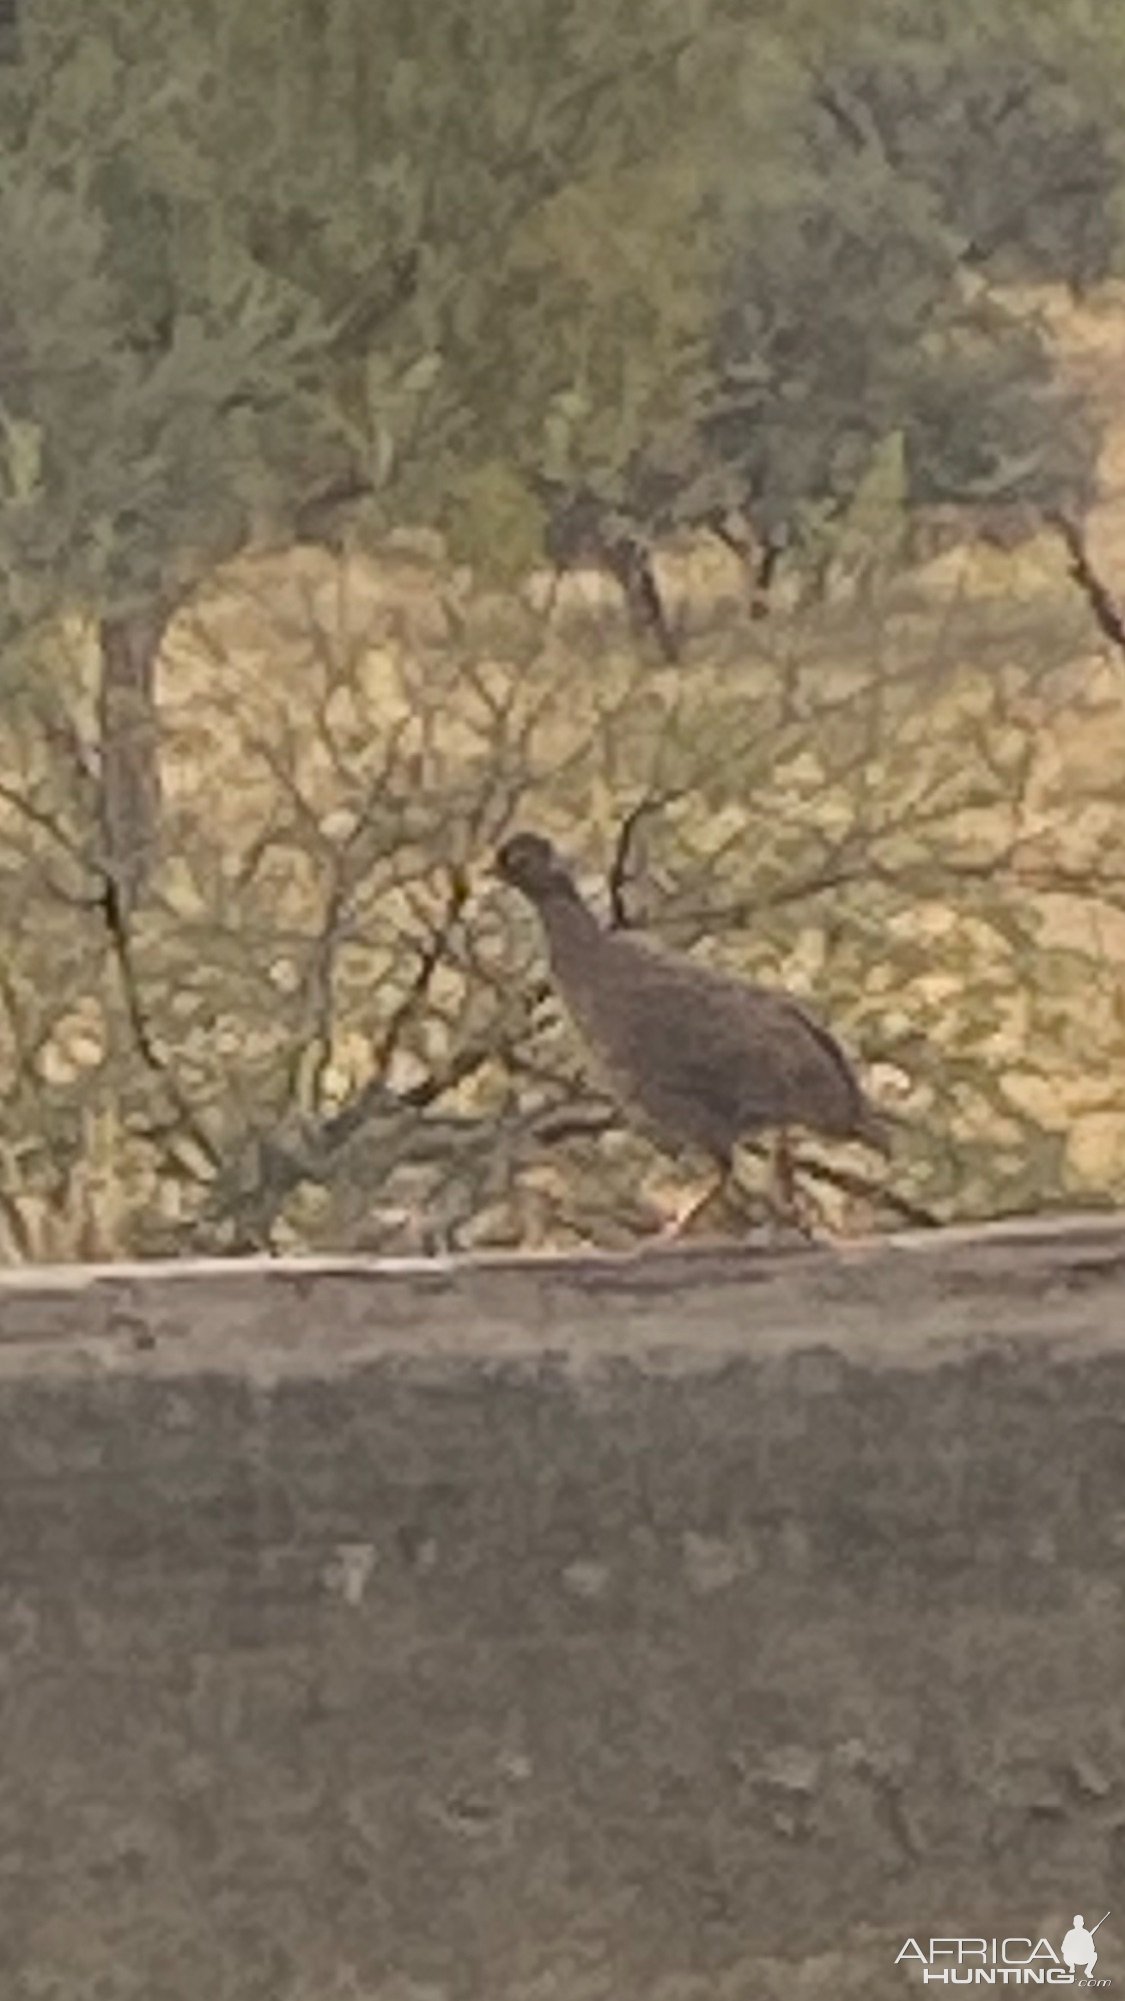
(530, 864)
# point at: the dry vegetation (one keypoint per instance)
(327, 1029)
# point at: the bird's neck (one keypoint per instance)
(571, 927)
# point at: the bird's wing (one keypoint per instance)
(747, 1050)
(812, 1033)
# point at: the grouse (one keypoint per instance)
(704, 1058)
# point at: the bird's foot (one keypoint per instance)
(793, 1219)
(678, 1224)
(676, 1227)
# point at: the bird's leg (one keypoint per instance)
(784, 1172)
(678, 1223)
(784, 1198)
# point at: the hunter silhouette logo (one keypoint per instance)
(1078, 1948)
(1010, 1962)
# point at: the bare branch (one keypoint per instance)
(619, 877)
(138, 1021)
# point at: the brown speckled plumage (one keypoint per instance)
(705, 1057)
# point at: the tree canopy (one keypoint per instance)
(276, 259)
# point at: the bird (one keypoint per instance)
(703, 1058)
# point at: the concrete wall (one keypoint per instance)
(697, 1625)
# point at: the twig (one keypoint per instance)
(849, 1182)
(617, 880)
(1109, 620)
(429, 960)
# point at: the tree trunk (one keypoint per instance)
(129, 746)
(631, 564)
